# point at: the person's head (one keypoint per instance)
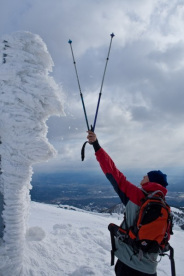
(155, 176)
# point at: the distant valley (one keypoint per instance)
(87, 191)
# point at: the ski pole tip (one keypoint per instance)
(112, 35)
(70, 41)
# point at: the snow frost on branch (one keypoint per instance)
(28, 97)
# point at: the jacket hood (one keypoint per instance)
(152, 187)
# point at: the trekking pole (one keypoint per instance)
(0, 159)
(74, 62)
(98, 103)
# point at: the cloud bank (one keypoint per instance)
(141, 116)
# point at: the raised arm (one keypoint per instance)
(126, 190)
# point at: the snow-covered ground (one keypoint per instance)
(63, 242)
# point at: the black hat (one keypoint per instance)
(158, 177)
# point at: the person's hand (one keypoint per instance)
(91, 136)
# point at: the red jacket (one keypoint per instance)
(125, 189)
(131, 197)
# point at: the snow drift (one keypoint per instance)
(64, 242)
(28, 97)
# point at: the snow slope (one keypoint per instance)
(63, 242)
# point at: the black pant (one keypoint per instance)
(123, 270)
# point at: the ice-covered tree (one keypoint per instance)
(29, 95)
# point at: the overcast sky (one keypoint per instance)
(141, 117)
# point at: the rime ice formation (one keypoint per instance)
(28, 97)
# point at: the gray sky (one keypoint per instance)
(140, 121)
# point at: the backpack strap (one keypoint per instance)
(152, 194)
(171, 257)
(113, 247)
(118, 232)
(113, 231)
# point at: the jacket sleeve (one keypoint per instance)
(126, 190)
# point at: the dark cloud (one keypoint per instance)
(142, 99)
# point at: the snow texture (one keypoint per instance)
(28, 97)
(64, 242)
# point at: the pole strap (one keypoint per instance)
(83, 151)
